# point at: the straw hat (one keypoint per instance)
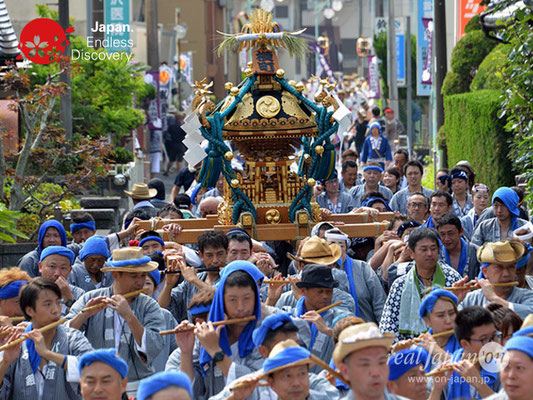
(141, 191)
(358, 337)
(130, 259)
(318, 251)
(279, 349)
(506, 252)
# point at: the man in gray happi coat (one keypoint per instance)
(499, 266)
(46, 366)
(316, 287)
(413, 171)
(131, 325)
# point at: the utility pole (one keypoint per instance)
(440, 55)
(391, 68)
(152, 43)
(361, 34)
(65, 100)
(409, 82)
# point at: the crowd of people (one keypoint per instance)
(137, 314)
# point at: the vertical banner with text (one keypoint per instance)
(117, 25)
(374, 91)
(424, 10)
(400, 51)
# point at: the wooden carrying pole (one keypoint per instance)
(353, 226)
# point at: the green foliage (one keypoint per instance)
(47, 196)
(490, 72)
(122, 155)
(29, 224)
(473, 25)
(103, 93)
(454, 84)
(428, 181)
(467, 54)
(474, 133)
(8, 225)
(517, 105)
(380, 47)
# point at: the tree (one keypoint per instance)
(44, 150)
(517, 105)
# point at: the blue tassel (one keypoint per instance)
(326, 166)
(211, 169)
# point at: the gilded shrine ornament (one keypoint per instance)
(268, 107)
(273, 216)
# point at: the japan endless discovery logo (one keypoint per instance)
(43, 41)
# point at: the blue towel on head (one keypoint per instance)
(52, 223)
(217, 313)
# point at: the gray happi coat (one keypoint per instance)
(489, 231)
(169, 342)
(20, 383)
(521, 300)
(80, 277)
(214, 380)
(319, 389)
(100, 331)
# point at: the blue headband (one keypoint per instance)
(106, 356)
(459, 175)
(407, 225)
(91, 225)
(270, 323)
(404, 360)
(431, 298)
(480, 275)
(94, 246)
(371, 200)
(520, 343)
(156, 276)
(372, 168)
(154, 238)
(200, 309)
(11, 290)
(59, 250)
(126, 263)
(444, 179)
(285, 357)
(162, 380)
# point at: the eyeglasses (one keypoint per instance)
(417, 205)
(496, 337)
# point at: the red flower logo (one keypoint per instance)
(43, 41)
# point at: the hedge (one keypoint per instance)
(489, 74)
(473, 132)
